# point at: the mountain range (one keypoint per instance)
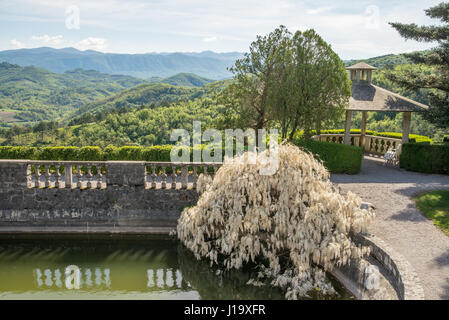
(30, 94)
(206, 64)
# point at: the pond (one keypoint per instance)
(118, 268)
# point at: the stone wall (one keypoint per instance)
(125, 202)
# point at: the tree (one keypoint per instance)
(312, 88)
(291, 81)
(437, 82)
(247, 96)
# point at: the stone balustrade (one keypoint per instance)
(373, 145)
(165, 175)
(66, 174)
(95, 175)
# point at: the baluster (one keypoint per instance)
(153, 176)
(195, 176)
(68, 178)
(38, 175)
(173, 177)
(99, 178)
(47, 175)
(164, 178)
(184, 176)
(89, 177)
(79, 176)
(29, 177)
(57, 177)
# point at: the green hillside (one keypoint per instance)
(186, 80)
(142, 95)
(382, 62)
(30, 94)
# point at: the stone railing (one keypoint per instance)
(98, 174)
(66, 174)
(373, 145)
(166, 175)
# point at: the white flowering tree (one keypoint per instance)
(294, 224)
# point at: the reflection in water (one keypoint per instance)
(117, 269)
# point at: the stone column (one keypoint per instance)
(363, 130)
(406, 126)
(348, 127)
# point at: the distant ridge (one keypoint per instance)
(205, 64)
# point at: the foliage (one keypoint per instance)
(294, 224)
(396, 135)
(185, 80)
(9, 152)
(139, 96)
(424, 157)
(314, 89)
(382, 62)
(32, 94)
(435, 206)
(269, 84)
(337, 158)
(436, 82)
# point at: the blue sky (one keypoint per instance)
(355, 29)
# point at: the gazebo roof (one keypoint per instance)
(368, 97)
(361, 66)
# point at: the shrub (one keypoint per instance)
(337, 158)
(395, 135)
(292, 225)
(90, 154)
(18, 152)
(58, 153)
(427, 158)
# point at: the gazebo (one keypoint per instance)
(367, 97)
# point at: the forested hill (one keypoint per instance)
(29, 94)
(148, 95)
(382, 62)
(206, 64)
(186, 80)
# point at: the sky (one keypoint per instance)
(355, 29)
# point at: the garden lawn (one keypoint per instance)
(435, 206)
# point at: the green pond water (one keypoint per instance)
(118, 268)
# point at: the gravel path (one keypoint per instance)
(398, 221)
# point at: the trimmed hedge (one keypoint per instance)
(154, 153)
(337, 158)
(427, 158)
(396, 135)
(17, 152)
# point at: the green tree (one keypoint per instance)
(436, 82)
(314, 88)
(247, 96)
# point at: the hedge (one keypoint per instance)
(153, 153)
(396, 135)
(427, 158)
(337, 158)
(17, 152)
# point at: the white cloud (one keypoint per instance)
(320, 10)
(98, 44)
(15, 44)
(210, 39)
(51, 40)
